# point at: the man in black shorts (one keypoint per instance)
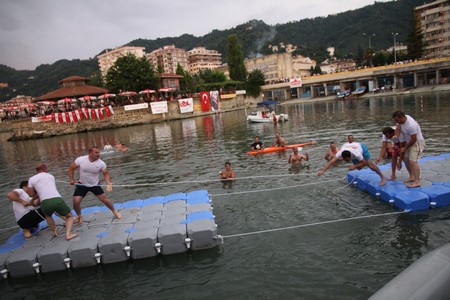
(90, 167)
(27, 216)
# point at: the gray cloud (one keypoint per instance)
(37, 32)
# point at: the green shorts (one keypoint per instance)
(49, 206)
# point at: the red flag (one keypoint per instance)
(107, 111)
(92, 114)
(53, 118)
(204, 99)
(60, 119)
(75, 116)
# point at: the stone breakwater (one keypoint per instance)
(25, 130)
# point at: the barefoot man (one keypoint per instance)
(90, 168)
(43, 185)
(359, 155)
(279, 141)
(415, 143)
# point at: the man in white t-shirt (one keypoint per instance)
(27, 217)
(359, 155)
(91, 166)
(43, 185)
(415, 143)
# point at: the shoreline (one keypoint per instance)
(400, 92)
(25, 130)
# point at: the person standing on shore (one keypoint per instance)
(90, 168)
(415, 143)
(43, 185)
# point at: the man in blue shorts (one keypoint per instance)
(359, 155)
(90, 168)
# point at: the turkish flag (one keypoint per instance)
(100, 114)
(92, 114)
(204, 99)
(53, 117)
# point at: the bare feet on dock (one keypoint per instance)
(409, 180)
(70, 236)
(78, 219)
(413, 185)
(391, 178)
(117, 214)
(383, 181)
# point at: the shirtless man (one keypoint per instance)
(122, 148)
(43, 185)
(332, 152)
(228, 173)
(279, 141)
(295, 159)
(90, 168)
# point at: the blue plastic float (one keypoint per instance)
(432, 193)
(166, 225)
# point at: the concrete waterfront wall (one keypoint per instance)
(23, 130)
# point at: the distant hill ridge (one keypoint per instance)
(344, 31)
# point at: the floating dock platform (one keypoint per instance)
(164, 225)
(434, 192)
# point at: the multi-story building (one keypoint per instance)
(107, 59)
(275, 67)
(333, 66)
(168, 58)
(201, 58)
(302, 65)
(433, 19)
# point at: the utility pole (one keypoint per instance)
(369, 36)
(395, 44)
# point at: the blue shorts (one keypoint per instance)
(366, 154)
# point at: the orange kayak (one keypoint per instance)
(276, 149)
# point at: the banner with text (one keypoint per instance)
(295, 83)
(159, 107)
(186, 105)
(135, 106)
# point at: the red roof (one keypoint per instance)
(73, 91)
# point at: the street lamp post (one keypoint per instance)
(369, 36)
(395, 44)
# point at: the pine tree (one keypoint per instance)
(236, 64)
(415, 42)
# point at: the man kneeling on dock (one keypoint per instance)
(359, 155)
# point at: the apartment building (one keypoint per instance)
(302, 65)
(168, 58)
(275, 67)
(433, 19)
(201, 58)
(107, 59)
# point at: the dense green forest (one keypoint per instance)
(344, 31)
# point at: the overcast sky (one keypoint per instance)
(34, 32)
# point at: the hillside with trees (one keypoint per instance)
(344, 31)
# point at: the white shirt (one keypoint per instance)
(107, 147)
(355, 150)
(19, 209)
(411, 127)
(90, 171)
(44, 185)
(399, 139)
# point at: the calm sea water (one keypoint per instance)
(345, 260)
